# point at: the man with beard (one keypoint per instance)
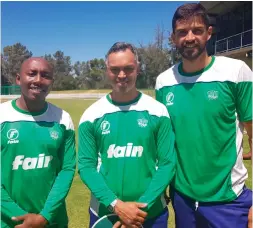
(210, 102)
(37, 153)
(132, 134)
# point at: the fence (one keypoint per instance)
(234, 42)
(10, 90)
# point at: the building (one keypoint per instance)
(232, 29)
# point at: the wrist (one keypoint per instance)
(42, 220)
(112, 205)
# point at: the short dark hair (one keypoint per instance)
(188, 10)
(122, 46)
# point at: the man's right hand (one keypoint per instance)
(130, 213)
(30, 220)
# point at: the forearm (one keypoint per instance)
(166, 157)
(248, 126)
(87, 165)
(158, 184)
(96, 183)
(58, 193)
(247, 156)
(8, 207)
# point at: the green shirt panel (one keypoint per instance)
(129, 143)
(204, 121)
(38, 168)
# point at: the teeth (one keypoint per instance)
(36, 88)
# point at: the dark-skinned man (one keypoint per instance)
(37, 153)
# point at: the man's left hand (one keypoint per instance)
(119, 224)
(30, 221)
(250, 218)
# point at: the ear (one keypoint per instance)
(173, 38)
(52, 83)
(18, 79)
(138, 68)
(209, 32)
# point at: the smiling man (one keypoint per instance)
(209, 99)
(132, 134)
(37, 153)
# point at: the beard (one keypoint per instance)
(191, 54)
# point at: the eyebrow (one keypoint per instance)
(195, 27)
(131, 65)
(42, 70)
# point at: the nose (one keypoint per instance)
(121, 74)
(37, 78)
(190, 36)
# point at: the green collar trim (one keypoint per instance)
(123, 103)
(14, 105)
(181, 71)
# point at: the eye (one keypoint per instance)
(128, 69)
(197, 31)
(46, 75)
(114, 70)
(32, 73)
(181, 33)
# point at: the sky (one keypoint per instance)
(82, 30)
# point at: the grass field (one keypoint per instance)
(78, 198)
(147, 91)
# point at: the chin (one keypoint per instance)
(37, 98)
(192, 56)
(121, 89)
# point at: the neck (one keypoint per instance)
(190, 66)
(30, 106)
(124, 97)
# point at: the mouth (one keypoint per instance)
(190, 46)
(36, 89)
(122, 83)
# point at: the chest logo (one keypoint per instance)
(105, 127)
(129, 150)
(13, 135)
(27, 163)
(169, 99)
(142, 122)
(54, 135)
(212, 95)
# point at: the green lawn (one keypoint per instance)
(147, 91)
(78, 198)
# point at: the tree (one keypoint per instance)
(91, 74)
(12, 58)
(62, 64)
(62, 70)
(97, 69)
(154, 61)
(160, 37)
(174, 53)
